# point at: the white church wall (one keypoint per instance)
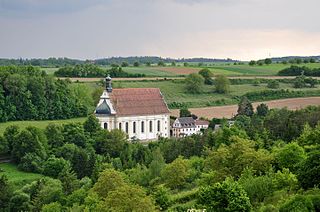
(147, 134)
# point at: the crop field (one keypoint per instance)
(39, 124)
(230, 110)
(175, 93)
(149, 71)
(16, 177)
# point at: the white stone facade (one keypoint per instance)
(149, 127)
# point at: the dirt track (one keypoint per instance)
(230, 110)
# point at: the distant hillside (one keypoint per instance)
(58, 62)
(288, 58)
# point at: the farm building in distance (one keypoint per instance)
(140, 112)
(186, 126)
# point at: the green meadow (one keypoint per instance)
(174, 92)
(16, 177)
(38, 124)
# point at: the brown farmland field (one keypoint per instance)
(179, 70)
(230, 110)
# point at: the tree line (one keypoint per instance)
(91, 70)
(267, 161)
(26, 93)
(300, 70)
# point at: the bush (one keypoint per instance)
(53, 166)
(298, 203)
(225, 196)
(273, 84)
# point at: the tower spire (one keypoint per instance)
(108, 84)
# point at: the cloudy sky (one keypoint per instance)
(86, 29)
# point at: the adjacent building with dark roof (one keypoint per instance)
(186, 126)
(140, 112)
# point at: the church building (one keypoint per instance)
(142, 113)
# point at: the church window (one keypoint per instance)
(127, 127)
(158, 125)
(105, 126)
(134, 127)
(142, 126)
(120, 127)
(150, 126)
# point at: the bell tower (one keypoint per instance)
(108, 84)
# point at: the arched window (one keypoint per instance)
(127, 127)
(105, 126)
(142, 126)
(120, 127)
(134, 127)
(150, 126)
(158, 125)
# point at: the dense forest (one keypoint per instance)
(297, 71)
(268, 160)
(27, 93)
(91, 70)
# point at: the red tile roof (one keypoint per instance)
(138, 101)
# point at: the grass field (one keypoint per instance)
(149, 71)
(265, 70)
(217, 68)
(16, 177)
(39, 124)
(225, 69)
(174, 92)
(49, 71)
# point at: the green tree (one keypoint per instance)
(233, 159)
(309, 170)
(161, 196)
(4, 146)
(74, 133)
(109, 180)
(262, 109)
(52, 207)
(136, 64)
(225, 196)
(28, 141)
(128, 198)
(176, 173)
(252, 63)
(267, 61)
(222, 84)
(298, 203)
(53, 166)
(289, 156)
(184, 112)
(161, 63)
(194, 83)
(273, 84)
(20, 202)
(245, 107)
(157, 164)
(124, 64)
(54, 135)
(110, 143)
(207, 75)
(68, 180)
(91, 125)
(5, 193)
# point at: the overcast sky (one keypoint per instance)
(87, 29)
